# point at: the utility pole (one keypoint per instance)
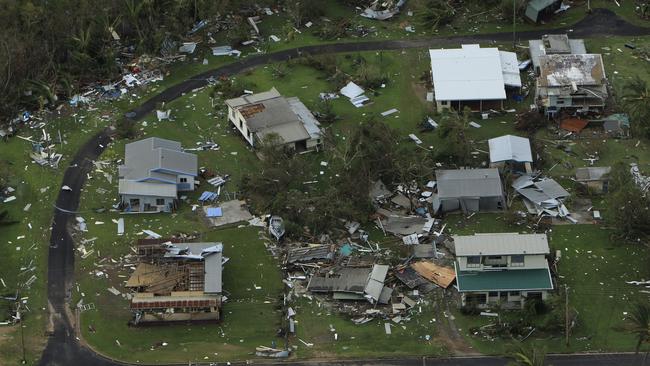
(566, 315)
(514, 20)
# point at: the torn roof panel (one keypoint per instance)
(509, 147)
(551, 188)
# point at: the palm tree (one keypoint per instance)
(635, 97)
(639, 324)
(526, 356)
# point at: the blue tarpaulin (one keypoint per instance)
(214, 212)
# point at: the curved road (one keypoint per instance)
(64, 349)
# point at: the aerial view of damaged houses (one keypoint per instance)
(325, 182)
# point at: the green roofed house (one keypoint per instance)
(538, 10)
(504, 268)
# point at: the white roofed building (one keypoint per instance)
(473, 76)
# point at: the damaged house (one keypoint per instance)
(542, 196)
(153, 173)
(510, 150)
(351, 283)
(554, 44)
(571, 82)
(596, 178)
(176, 282)
(473, 77)
(258, 115)
(469, 190)
(505, 269)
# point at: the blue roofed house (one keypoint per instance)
(504, 269)
(154, 171)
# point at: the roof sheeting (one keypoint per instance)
(500, 244)
(471, 73)
(564, 70)
(146, 189)
(469, 183)
(509, 280)
(510, 69)
(510, 147)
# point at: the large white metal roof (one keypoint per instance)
(509, 147)
(472, 73)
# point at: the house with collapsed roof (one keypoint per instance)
(596, 178)
(176, 282)
(510, 150)
(554, 44)
(153, 173)
(258, 115)
(469, 190)
(505, 269)
(473, 77)
(350, 283)
(542, 196)
(571, 82)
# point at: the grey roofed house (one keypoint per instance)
(259, 115)
(500, 244)
(510, 148)
(552, 44)
(469, 190)
(153, 173)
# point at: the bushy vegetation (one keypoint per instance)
(628, 206)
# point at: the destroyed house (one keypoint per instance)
(575, 82)
(473, 77)
(354, 284)
(554, 44)
(177, 282)
(512, 150)
(258, 115)
(153, 173)
(469, 190)
(505, 269)
(596, 178)
(542, 196)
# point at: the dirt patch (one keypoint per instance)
(420, 90)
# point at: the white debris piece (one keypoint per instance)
(187, 47)
(66, 188)
(274, 38)
(162, 115)
(120, 226)
(114, 291)
(152, 234)
(411, 239)
(9, 199)
(389, 112)
(475, 125)
(387, 327)
(415, 139)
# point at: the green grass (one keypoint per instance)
(28, 179)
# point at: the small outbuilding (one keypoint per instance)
(469, 190)
(540, 10)
(596, 178)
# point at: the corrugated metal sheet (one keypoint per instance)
(500, 244)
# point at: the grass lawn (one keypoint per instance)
(26, 243)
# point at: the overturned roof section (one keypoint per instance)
(509, 147)
(473, 73)
(469, 183)
(500, 244)
(568, 70)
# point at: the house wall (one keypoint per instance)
(471, 204)
(179, 315)
(530, 262)
(236, 118)
(167, 206)
(187, 185)
(506, 299)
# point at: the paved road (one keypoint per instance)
(63, 348)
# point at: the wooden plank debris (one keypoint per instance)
(441, 276)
